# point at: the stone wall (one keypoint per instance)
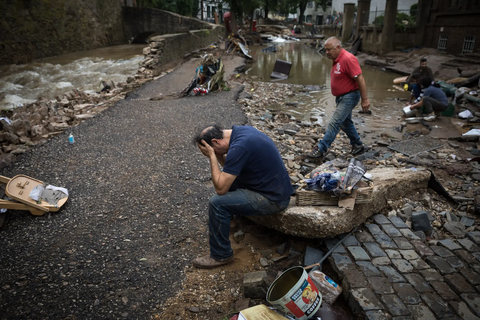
(33, 29)
(143, 22)
(166, 51)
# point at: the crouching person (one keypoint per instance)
(253, 182)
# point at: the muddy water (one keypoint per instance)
(21, 84)
(312, 68)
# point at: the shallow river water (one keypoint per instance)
(21, 84)
(312, 68)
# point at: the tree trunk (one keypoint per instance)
(233, 22)
(302, 7)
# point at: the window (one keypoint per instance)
(208, 12)
(309, 18)
(468, 45)
(442, 44)
(310, 4)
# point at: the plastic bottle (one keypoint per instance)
(71, 139)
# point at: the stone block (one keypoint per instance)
(380, 285)
(385, 241)
(455, 228)
(374, 250)
(368, 268)
(363, 236)
(444, 290)
(455, 262)
(395, 305)
(440, 264)
(469, 245)
(422, 249)
(407, 293)
(473, 301)
(363, 299)
(312, 256)
(449, 244)
(462, 310)
(374, 229)
(458, 283)
(355, 278)
(393, 254)
(471, 276)
(358, 253)
(418, 282)
(421, 221)
(420, 312)
(419, 264)
(403, 243)
(255, 285)
(466, 256)
(398, 222)
(392, 274)
(442, 252)
(437, 305)
(381, 261)
(390, 230)
(407, 233)
(376, 315)
(380, 219)
(402, 265)
(467, 222)
(474, 236)
(409, 254)
(431, 275)
(421, 235)
(351, 240)
(341, 263)
(330, 243)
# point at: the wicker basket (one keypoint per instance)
(315, 198)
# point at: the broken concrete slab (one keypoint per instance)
(329, 221)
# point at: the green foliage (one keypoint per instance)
(402, 21)
(413, 11)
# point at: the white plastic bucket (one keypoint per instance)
(408, 112)
(295, 294)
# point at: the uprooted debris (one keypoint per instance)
(209, 76)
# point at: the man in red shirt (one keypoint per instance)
(348, 85)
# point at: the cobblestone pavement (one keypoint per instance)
(389, 273)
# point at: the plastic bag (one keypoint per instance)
(323, 182)
(327, 287)
(355, 172)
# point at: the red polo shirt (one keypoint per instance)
(344, 70)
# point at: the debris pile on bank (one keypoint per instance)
(35, 123)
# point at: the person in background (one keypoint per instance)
(416, 93)
(434, 100)
(348, 85)
(423, 70)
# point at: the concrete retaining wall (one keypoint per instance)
(166, 51)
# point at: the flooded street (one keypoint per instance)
(21, 84)
(312, 68)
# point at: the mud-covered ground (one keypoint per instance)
(122, 245)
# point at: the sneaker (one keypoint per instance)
(430, 117)
(315, 153)
(358, 149)
(207, 262)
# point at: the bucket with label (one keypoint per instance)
(295, 294)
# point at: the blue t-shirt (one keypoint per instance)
(254, 159)
(437, 94)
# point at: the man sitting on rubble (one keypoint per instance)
(253, 182)
(434, 100)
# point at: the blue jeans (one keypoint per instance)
(342, 119)
(237, 202)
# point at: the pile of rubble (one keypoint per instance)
(295, 138)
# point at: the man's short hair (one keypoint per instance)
(416, 76)
(208, 133)
(423, 60)
(335, 41)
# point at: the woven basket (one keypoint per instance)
(315, 198)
